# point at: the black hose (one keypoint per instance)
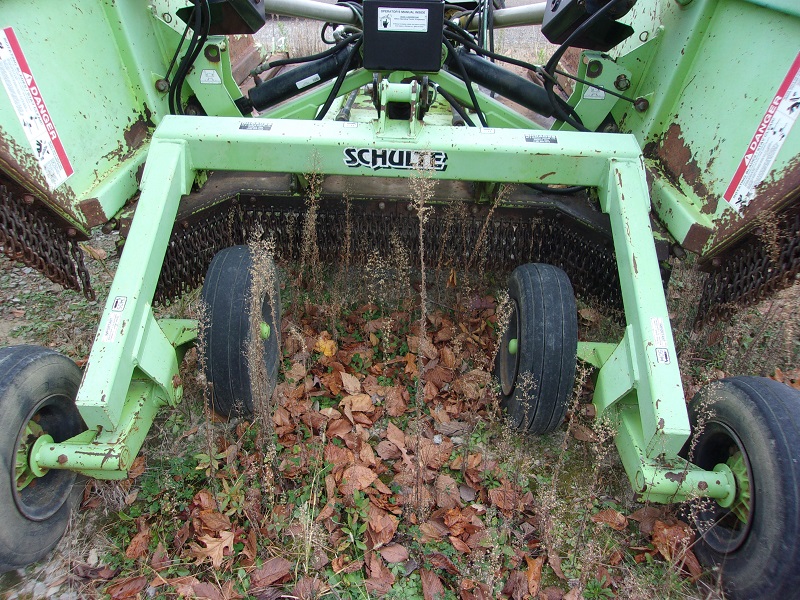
(551, 65)
(456, 105)
(202, 26)
(339, 80)
(457, 60)
(303, 59)
(344, 112)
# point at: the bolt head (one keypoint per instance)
(622, 83)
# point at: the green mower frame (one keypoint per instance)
(133, 369)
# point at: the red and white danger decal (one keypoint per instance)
(770, 135)
(31, 110)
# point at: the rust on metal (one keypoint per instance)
(781, 190)
(676, 477)
(93, 212)
(62, 459)
(245, 56)
(702, 486)
(696, 238)
(30, 233)
(23, 176)
(136, 133)
(677, 161)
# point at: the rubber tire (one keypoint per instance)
(226, 292)
(544, 320)
(35, 380)
(764, 562)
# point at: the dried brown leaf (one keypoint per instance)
(432, 588)
(207, 590)
(351, 383)
(551, 593)
(139, 543)
(672, 540)
(581, 432)
(460, 545)
(614, 519)
(273, 571)
(380, 579)
(396, 436)
(356, 477)
(394, 553)
(160, 560)
(534, 574)
(95, 253)
(396, 401)
(440, 561)
(447, 492)
(137, 468)
(214, 548)
(516, 586)
(128, 588)
(215, 521)
(647, 517)
(554, 560)
(387, 450)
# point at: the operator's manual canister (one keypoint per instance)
(403, 35)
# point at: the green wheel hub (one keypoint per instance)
(742, 503)
(513, 346)
(22, 469)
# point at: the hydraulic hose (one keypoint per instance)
(503, 82)
(299, 79)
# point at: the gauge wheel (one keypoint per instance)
(751, 424)
(536, 360)
(228, 330)
(37, 397)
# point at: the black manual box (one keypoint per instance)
(403, 35)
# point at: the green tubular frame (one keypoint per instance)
(133, 366)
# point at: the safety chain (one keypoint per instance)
(767, 261)
(511, 238)
(30, 234)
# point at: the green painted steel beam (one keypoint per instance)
(647, 352)
(596, 353)
(665, 481)
(109, 452)
(128, 336)
(472, 154)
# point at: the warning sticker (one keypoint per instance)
(593, 93)
(310, 80)
(770, 135)
(119, 303)
(112, 327)
(255, 125)
(659, 332)
(403, 19)
(210, 76)
(662, 356)
(31, 111)
(541, 138)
